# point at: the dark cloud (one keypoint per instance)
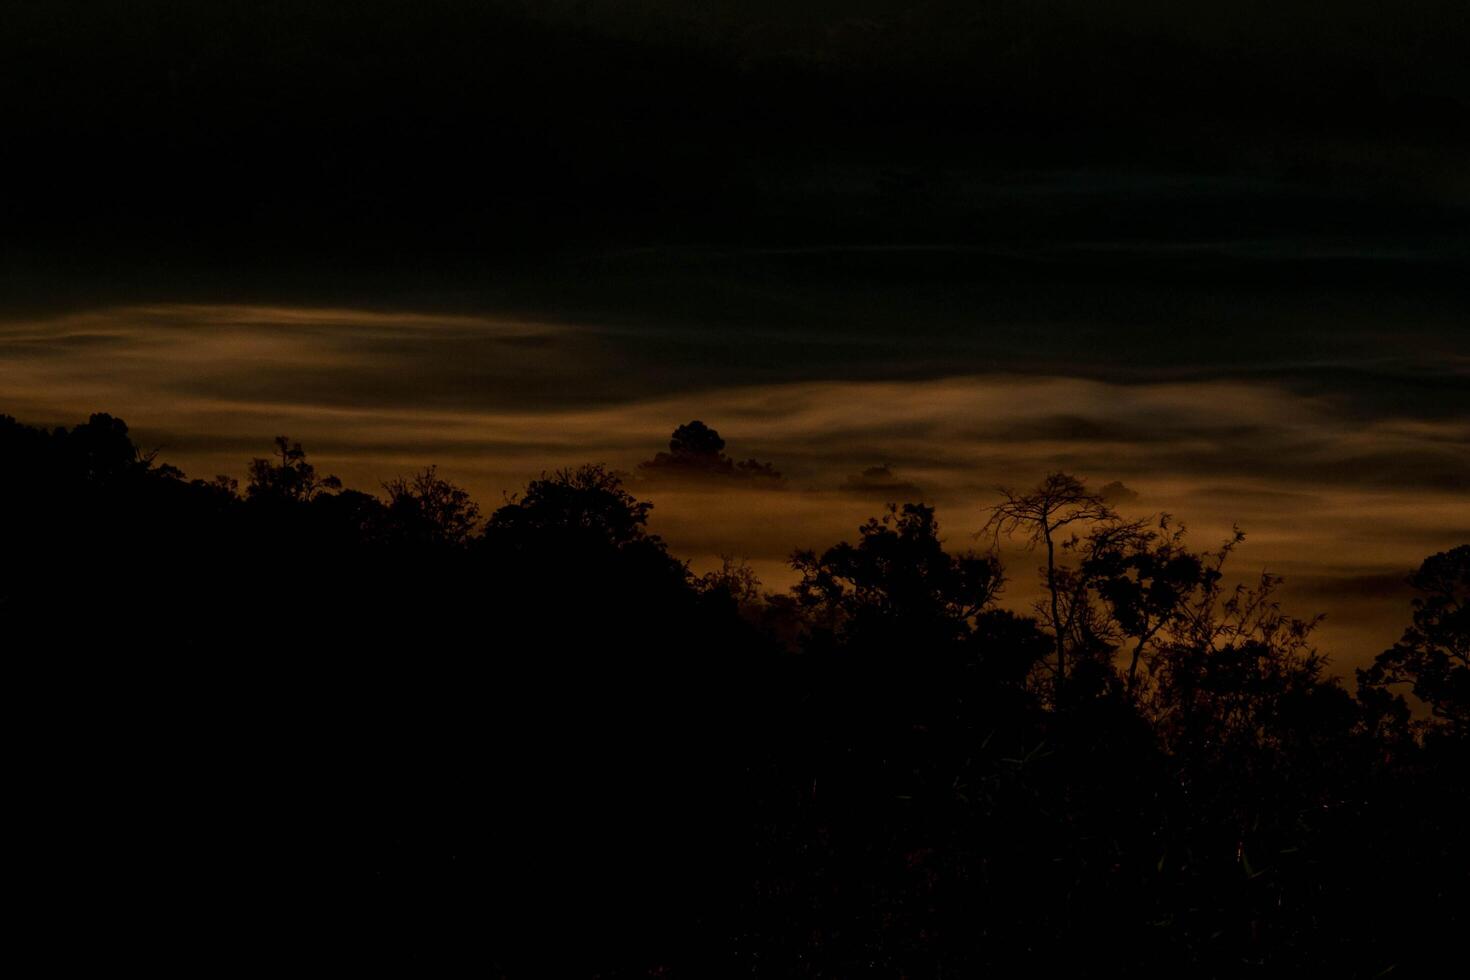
(1116, 493)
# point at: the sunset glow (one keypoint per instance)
(1339, 502)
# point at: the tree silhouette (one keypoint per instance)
(695, 440)
(736, 581)
(1057, 502)
(1230, 662)
(104, 451)
(289, 477)
(1433, 657)
(1145, 576)
(588, 501)
(898, 577)
(583, 523)
(697, 451)
(431, 510)
(869, 772)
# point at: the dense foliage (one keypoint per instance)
(393, 733)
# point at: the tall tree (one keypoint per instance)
(1058, 502)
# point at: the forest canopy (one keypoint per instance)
(880, 771)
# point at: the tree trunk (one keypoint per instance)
(1056, 613)
(1133, 667)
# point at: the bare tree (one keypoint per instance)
(1057, 502)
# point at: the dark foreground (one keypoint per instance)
(303, 726)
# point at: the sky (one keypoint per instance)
(1216, 252)
(1346, 461)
